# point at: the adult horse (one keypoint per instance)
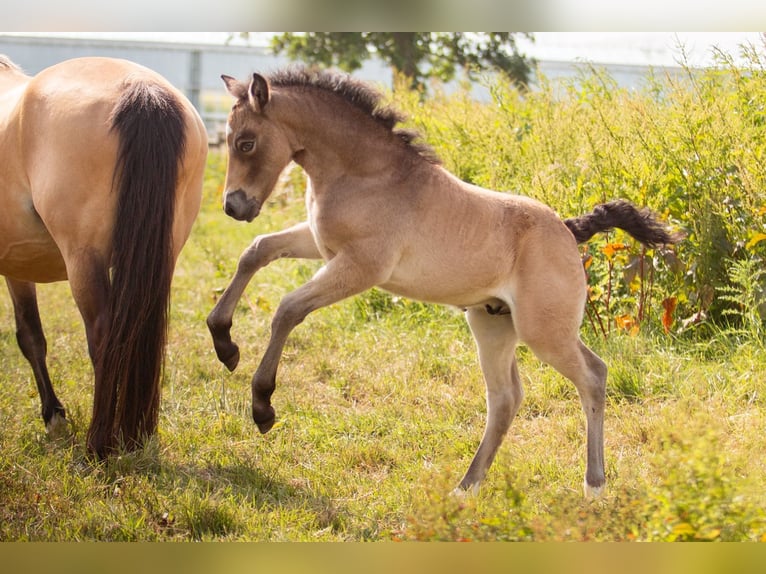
(100, 181)
(382, 212)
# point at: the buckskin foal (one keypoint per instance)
(382, 212)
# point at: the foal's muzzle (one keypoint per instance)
(236, 204)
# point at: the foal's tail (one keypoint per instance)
(149, 122)
(639, 223)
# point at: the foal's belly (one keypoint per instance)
(444, 289)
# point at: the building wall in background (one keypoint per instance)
(196, 68)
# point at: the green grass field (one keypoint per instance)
(380, 406)
(380, 401)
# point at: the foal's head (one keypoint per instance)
(261, 119)
(258, 148)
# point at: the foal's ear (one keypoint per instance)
(235, 87)
(258, 93)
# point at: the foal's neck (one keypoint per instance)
(332, 137)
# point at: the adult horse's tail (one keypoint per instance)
(149, 122)
(641, 224)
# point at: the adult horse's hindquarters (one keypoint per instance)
(100, 181)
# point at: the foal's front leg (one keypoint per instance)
(342, 277)
(295, 241)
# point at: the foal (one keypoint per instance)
(382, 212)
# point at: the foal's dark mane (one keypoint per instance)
(360, 95)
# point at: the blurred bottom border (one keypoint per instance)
(381, 557)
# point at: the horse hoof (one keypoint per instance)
(228, 354)
(57, 426)
(264, 418)
(226, 350)
(465, 491)
(97, 451)
(233, 360)
(266, 427)
(594, 492)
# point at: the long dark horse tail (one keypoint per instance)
(149, 122)
(641, 224)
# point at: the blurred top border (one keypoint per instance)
(388, 15)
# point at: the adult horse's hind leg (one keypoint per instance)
(296, 242)
(89, 282)
(496, 340)
(31, 339)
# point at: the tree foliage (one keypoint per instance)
(416, 55)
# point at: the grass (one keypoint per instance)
(380, 406)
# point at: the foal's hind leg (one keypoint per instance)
(588, 373)
(496, 340)
(296, 242)
(31, 339)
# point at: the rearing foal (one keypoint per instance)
(382, 212)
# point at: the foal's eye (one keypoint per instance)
(246, 146)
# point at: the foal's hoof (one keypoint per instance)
(228, 354)
(225, 348)
(266, 427)
(593, 492)
(464, 489)
(233, 359)
(264, 418)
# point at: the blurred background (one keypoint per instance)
(194, 61)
